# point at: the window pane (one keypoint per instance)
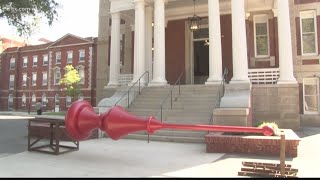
(311, 103)
(310, 89)
(261, 29)
(309, 45)
(307, 25)
(262, 45)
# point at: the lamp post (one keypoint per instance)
(29, 80)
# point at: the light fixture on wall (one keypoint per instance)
(194, 21)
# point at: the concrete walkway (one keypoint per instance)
(134, 158)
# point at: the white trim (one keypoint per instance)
(44, 73)
(45, 55)
(309, 14)
(34, 79)
(263, 18)
(56, 57)
(35, 57)
(317, 94)
(25, 64)
(13, 61)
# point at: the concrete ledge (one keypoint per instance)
(231, 111)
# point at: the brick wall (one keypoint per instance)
(217, 142)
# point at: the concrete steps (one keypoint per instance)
(194, 106)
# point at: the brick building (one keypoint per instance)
(32, 73)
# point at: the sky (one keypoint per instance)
(78, 17)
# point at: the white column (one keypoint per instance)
(285, 45)
(149, 19)
(115, 50)
(215, 55)
(159, 63)
(239, 43)
(139, 42)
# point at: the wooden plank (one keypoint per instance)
(257, 164)
(288, 171)
(240, 173)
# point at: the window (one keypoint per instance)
(68, 101)
(25, 61)
(58, 57)
(57, 76)
(35, 61)
(34, 79)
(10, 102)
(44, 78)
(81, 74)
(11, 82)
(261, 33)
(56, 103)
(44, 100)
(308, 30)
(70, 54)
(311, 95)
(81, 55)
(12, 63)
(45, 59)
(80, 97)
(33, 99)
(24, 100)
(24, 79)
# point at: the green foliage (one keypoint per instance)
(25, 14)
(71, 81)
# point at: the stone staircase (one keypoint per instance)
(194, 106)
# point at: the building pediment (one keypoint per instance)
(69, 39)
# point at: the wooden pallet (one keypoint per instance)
(266, 170)
(270, 169)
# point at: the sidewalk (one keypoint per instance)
(133, 158)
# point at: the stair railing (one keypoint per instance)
(138, 81)
(220, 93)
(178, 81)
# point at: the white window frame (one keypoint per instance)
(305, 15)
(11, 81)
(24, 79)
(56, 72)
(44, 100)
(44, 78)
(45, 60)
(68, 101)
(81, 74)
(34, 60)
(58, 56)
(25, 61)
(33, 100)
(69, 57)
(10, 101)
(82, 52)
(12, 63)
(24, 100)
(261, 18)
(305, 81)
(34, 79)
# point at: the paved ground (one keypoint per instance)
(133, 158)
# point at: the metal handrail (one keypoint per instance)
(147, 72)
(170, 93)
(220, 93)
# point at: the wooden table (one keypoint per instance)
(49, 136)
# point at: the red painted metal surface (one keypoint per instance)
(81, 120)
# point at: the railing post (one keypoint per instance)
(139, 86)
(171, 98)
(179, 87)
(161, 112)
(128, 99)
